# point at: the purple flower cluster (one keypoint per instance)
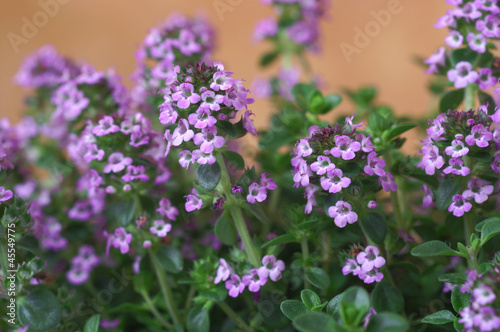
(45, 68)
(255, 278)
(471, 23)
(322, 158)
(82, 265)
(452, 139)
(257, 191)
(178, 41)
(303, 26)
(366, 265)
(483, 313)
(197, 98)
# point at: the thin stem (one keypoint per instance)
(189, 301)
(468, 230)
(396, 205)
(237, 216)
(470, 96)
(234, 316)
(155, 311)
(305, 256)
(165, 288)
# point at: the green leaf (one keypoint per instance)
(285, 238)
(293, 308)
(310, 298)
(374, 226)
(399, 129)
(489, 230)
(485, 61)
(332, 308)
(434, 248)
(451, 100)
(225, 230)
(377, 123)
(332, 100)
(268, 58)
(92, 324)
(386, 297)
(122, 211)
(479, 225)
(463, 54)
(354, 306)
(208, 176)
(315, 322)
(234, 159)
(303, 93)
(387, 322)
(198, 320)
(234, 131)
(458, 278)
(170, 259)
(274, 139)
(142, 282)
(40, 309)
(318, 277)
(440, 317)
(486, 99)
(445, 192)
(460, 300)
(217, 294)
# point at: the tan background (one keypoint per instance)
(106, 34)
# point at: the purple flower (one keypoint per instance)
(256, 192)
(372, 205)
(266, 182)
(185, 96)
(335, 181)
(211, 101)
(223, 271)
(435, 60)
(208, 140)
(431, 159)
(182, 133)
(86, 258)
(248, 123)
(193, 202)
(167, 209)
(486, 79)
(135, 173)
(322, 165)
(489, 26)
(483, 295)
(374, 165)
(477, 42)
(468, 11)
(371, 276)
(202, 118)
(160, 228)
(271, 268)
(117, 163)
(428, 199)
(486, 319)
(345, 147)
(303, 148)
(351, 266)
(203, 158)
(479, 136)
(77, 275)
(457, 149)
(237, 189)
(235, 285)
(478, 189)
(105, 126)
(5, 195)
(186, 158)
(168, 116)
(370, 259)
(267, 27)
(92, 152)
(387, 182)
(457, 167)
(222, 81)
(454, 40)
(81, 210)
(462, 75)
(121, 239)
(253, 281)
(311, 199)
(343, 214)
(302, 172)
(459, 206)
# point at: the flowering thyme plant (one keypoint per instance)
(135, 210)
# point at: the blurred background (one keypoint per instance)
(107, 34)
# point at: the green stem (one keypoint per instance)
(165, 288)
(470, 96)
(396, 205)
(154, 311)
(189, 301)
(305, 256)
(468, 230)
(237, 216)
(234, 316)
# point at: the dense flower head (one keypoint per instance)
(483, 312)
(340, 161)
(454, 141)
(366, 265)
(472, 26)
(197, 99)
(177, 41)
(45, 68)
